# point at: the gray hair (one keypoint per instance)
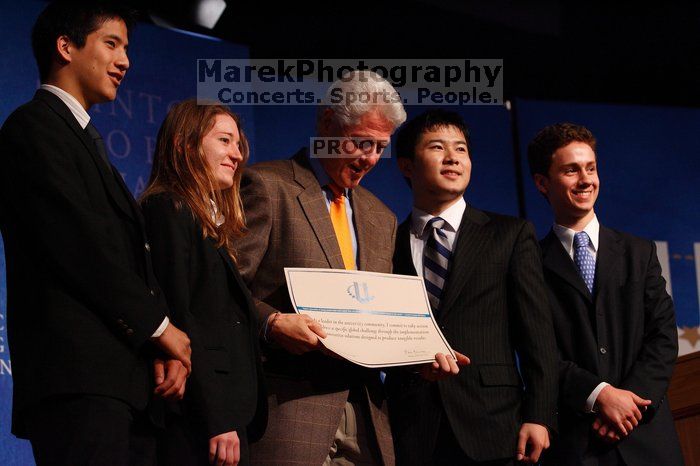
(359, 92)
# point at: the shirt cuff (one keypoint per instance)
(161, 328)
(590, 401)
(266, 328)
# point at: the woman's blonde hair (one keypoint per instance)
(180, 167)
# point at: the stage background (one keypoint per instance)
(648, 158)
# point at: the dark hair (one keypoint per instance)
(552, 138)
(74, 19)
(411, 132)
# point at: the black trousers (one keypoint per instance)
(90, 430)
(611, 458)
(448, 452)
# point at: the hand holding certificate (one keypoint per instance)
(371, 319)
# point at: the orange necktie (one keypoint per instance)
(339, 218)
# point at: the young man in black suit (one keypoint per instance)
(85, 314)
(484, 279)
(614, 321)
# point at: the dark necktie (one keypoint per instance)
(436, 260)
(99, 143)
(585, 263)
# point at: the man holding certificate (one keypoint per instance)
(483, 275)
(309, 211)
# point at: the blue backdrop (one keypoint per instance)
(648, 156)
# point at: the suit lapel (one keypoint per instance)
(403, 258)
(557, 260)
(135, 209)
(314, 206)
(472, 236)
(365, 224)
(608, 260)
(120, 198)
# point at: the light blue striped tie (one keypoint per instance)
(585, 263)
(436, 260)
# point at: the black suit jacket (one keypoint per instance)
(493, 306)
(82, 299)
(210, 302)
(624, 334)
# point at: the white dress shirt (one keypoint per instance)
(419, 219)
(566, 236)
(71, 102)
(83, 119)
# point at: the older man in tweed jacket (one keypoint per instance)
(323, 410)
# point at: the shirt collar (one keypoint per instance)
(321, 175)
(71, 102)
(216, 217)
(566, 235)
(452, 217)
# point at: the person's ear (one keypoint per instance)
(64, 48)
(541, 183)
(405, 166)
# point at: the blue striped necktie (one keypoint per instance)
(585, 263)
(436, 260)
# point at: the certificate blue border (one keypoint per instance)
(357, 311)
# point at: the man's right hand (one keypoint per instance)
(175, 343)
(296, 333)
(443, 366)
(620, 409)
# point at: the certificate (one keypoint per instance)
(371, 319)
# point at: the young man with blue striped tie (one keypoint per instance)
(483, 275)
(614, 321)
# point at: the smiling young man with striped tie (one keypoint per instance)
(484, 279)
(615, 323)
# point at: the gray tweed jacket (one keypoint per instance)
(289, 226)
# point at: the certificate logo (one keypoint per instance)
(360, 292)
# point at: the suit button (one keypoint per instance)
(148, 247)
(153, 293)
(129, 332)
(603, 350)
